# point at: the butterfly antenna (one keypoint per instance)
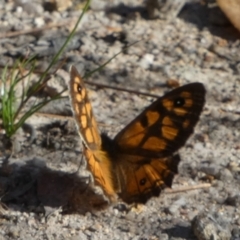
(81, 160)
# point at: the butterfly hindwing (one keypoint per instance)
(99, 164)
(164, 126)
(145, 177)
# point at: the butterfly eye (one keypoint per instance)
(179, 102)
(142, 181)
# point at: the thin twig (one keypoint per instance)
(188, 188)
(33, 30)
(121, 89)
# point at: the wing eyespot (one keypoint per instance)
(143, 181)
(179, 102)
(79, 88)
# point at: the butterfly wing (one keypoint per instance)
(98, 161)
(141, 181)
(145, 147)
(164, 126)
(82, 111)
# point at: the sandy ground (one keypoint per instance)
(46, 193)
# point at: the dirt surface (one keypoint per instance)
(46, 193)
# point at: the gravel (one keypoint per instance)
(47, 192)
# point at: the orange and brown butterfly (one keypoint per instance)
(139, 162)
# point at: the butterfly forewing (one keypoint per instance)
(82, 111)
(98, 162)
(164, 126)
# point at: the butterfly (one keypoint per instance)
(140, 161)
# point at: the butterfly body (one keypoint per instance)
(140, 161)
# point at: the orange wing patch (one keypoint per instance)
(140, 161)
